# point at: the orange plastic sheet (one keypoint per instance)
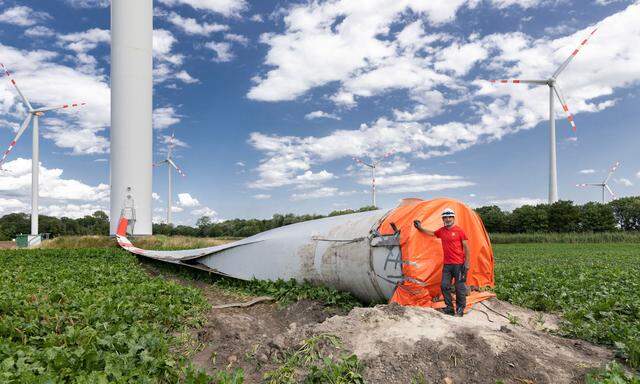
(423, 253)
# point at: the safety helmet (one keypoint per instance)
(448, 212)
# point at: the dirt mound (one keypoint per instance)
(404, 344)
(495, 341)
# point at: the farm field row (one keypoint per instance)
(593, 286)
(96, 315)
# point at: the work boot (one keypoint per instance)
(459, 312)
(448, 311)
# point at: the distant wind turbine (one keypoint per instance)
(33, 115)
(554, 88)
(373, 165)
(170, 166)
(604, 184)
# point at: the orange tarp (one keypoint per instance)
(423, 253)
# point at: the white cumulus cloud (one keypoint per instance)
(224, 7)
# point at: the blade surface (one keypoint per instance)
(63, 106)
(362, 162)
(613, 169)
(15, 85)
(610, 191)
(588, 185)
(565, 107)
(159, 163)
(176, 167)
(518, 81)
(23, 127)
(573, 54)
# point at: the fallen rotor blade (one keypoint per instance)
(518, 81)
(15, 85)
(565, 107)
(335, 251)
(573, 54)
(63, 106)
(613, 169)
(23, 127)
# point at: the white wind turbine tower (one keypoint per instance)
(170, 166)
(373, 165)
(33, 115)
(604, 184)
(554, 88)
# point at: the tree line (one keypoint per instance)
(561, 217)
(98, 224)
(564, 216)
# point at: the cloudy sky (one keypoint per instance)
(271, 101)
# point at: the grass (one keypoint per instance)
(156, 242)
(595, 287)
(575, 237)
(309, 365)
(90, 316)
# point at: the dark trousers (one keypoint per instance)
(457, 272)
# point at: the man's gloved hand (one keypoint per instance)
(465, 269)
(416, 223)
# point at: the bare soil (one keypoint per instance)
(494, 341)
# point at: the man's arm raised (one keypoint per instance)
(418, 225)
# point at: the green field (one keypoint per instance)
(91, 315)
(95, 315)
(596, 288)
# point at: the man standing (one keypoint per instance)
(456, 260)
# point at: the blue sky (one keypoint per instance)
(271, 100)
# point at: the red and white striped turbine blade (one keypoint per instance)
(611, 170)
(565, 107)
(610, 191)
(176, 167)
(362, 162)
(15, 85)
(63, 106)
(573, 54)
(23, 127)
(518, 81)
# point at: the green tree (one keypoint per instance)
(626, 210)
(529, 218)
(596, 217)
(13, 224)
(563, 216)
(494, 219)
